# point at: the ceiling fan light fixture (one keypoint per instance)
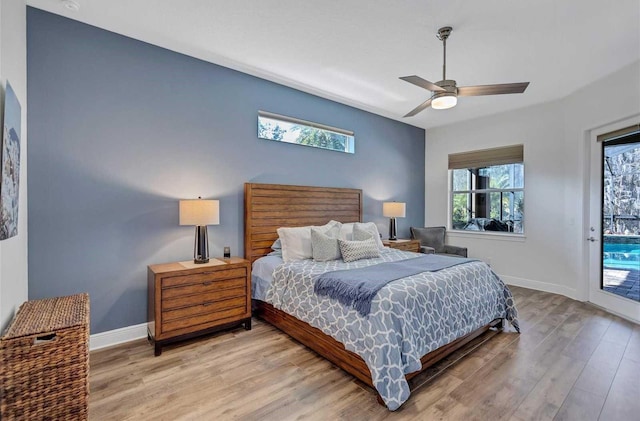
(444, 100)
(445, 92)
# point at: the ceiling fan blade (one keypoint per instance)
(419, 108)
(505, 88)
(423, 83)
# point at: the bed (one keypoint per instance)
(270, 206)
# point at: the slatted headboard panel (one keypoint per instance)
(268, 207)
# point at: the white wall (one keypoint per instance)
(551, 256)
(13, 67)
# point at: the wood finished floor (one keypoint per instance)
(572, 362)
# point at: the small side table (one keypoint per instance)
(187, 299)
(403, 244)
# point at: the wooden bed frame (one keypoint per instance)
(270, 206)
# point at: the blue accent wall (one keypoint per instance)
(119, 130)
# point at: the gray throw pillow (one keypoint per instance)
(360, 233)
(356, 250)
(430, 237)
(325, 246)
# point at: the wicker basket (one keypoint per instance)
(44, 361)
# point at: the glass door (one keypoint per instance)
(614, 232)
(621, 217)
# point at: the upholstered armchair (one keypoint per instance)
(432, 241)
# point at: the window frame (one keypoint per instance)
(487, 191)
(350, 139)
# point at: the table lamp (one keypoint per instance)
(393, 210)
(200, 213)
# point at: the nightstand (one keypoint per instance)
(401, 244)
(187, 299)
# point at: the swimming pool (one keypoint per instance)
(622, 255)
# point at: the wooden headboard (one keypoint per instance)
(268, 207)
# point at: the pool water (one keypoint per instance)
(622, 256)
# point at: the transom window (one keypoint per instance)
(301, 132)
(486, 197)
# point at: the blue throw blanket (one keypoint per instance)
(357, 287)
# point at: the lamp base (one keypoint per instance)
(201, 246)
(392, 229)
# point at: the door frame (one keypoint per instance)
(591, 290)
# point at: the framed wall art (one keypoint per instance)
(10, 170)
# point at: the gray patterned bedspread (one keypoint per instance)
(409, 317)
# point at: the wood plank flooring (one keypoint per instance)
(572, 361)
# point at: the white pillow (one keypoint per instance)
(296, 241)
(346, 231)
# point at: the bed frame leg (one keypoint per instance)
(500, 325)
(379, 399)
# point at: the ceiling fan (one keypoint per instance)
(445, 92)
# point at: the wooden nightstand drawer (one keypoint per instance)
(207, 297)
(203, 287)
(203, 277)
(208, 319)
(185, 300)
(204, 308)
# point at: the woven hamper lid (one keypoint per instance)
(48, 315)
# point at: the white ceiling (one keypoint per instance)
(354, 51)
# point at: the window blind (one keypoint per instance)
(619, 133)
(487, 157)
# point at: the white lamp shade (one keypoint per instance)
(394, 209)
(199, 212)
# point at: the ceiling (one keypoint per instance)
(354, 51)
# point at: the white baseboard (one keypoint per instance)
(117, 336)
(621, 315)
(541, 286)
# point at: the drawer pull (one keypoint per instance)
(206, 304)
(207, 283)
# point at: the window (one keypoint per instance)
(487, 190)
(291, 130)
